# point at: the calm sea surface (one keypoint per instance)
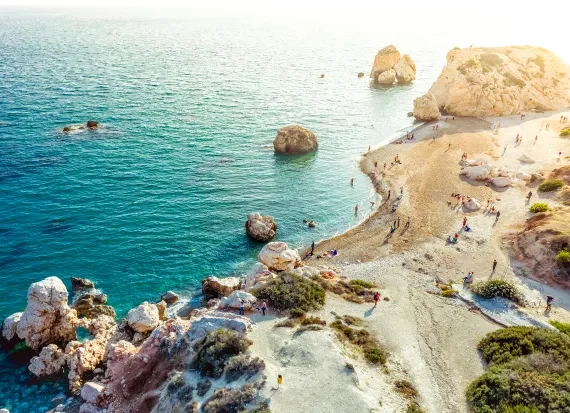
(158, 197)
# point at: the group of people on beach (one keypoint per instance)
(563, 119)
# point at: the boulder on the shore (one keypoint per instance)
(425, 108)
(501, 81)
(386, 78)
(385, 60)
(47, 318)
(257, 276)
(523, 176)
(79, 284)
(295, 140)
(91, 124)
(215, 321)
(526, 159)
(235, 298)
(472, 204)
(501, 182)
(219, 287)
(143, 318)
(260, 227)
(405, 69)
(278, 257)
(360, 74)
(169, 297)
(91, 390)
(476, 173)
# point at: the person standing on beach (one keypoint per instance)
(408, 223)
(351, 181)
(389, 192)
(401, 190)
(464, 222)
(356, 209)
(529, 195)
(368, 148)
(263, 307)
(398, 222)
(376, 298)
(242, 308)
(312, 248)
(549, 300)
(494, 265)
(498, 215)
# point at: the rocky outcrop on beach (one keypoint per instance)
(390, 66)
(502, 81)
(143, 318)
(214, 287)
(278, 257)
(260, 227)
(425, 108)
(257, 276)
(169, 297)
(295, 140)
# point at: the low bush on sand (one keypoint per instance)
(528, 372)
(292, 292)
(215, 350)
(562, 327)
(305, 321)
(243, 365)
(230, 399)
(565, 132)
(310, 327)
(356, 291)
(563, 256)
(498, 288)
(371, 349)
(539, 207)
(288, 323)
(362, 283)
(551, 185)
(414, 407)
(406, 389)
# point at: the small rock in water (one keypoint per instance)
(91, 124)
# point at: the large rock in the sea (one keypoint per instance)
(47, 318)
(425, 108)
(405, 69)
(169, 297)
(143, 318)
(386, 78)
(220, 287)
(78, 284)
(260, 228)
(49, 362)
(9, 327)
(385, 59)
(92, 124)
(278, 257)
(294, 140)
(502, 81)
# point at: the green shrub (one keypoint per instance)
(563, 256)
(512, 80)
(491, 59)
(226, 400)
(516, 409)
(551, 185)
(539, 207)
(313, 320)
(565, 132)
(504, 345)
(498, 288)
(292, 292)
(362, 283)
(289, 323)
(297, 313)
(406, 389)
(216, 348)
(352, 321)
(362, 338)
(448, 293)
(562, 327)
(310, 327)
(471, 63)
(414, 407)
(243, 365)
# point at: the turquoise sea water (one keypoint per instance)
(158, 197)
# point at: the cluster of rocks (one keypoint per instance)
(295, 140)
(480, 170)
(91, 124)
(389, 66)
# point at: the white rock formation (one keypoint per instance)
(501, 182)
(294, 140)
(220, 287)
(502, 81)
(526, 159)
(425, 108)
(143, 318)
(405, 69)
(476, 173)
(202, 326)
(260, 228)
(523, 176)
(257, 276)
(235, 298)
(91, 391)
(278, 257)
(10, 325)
(386, 78)
(49, 362)
(47, 318)
(385, 60)
(472, 204)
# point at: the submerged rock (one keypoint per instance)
(170, 297)
(260, 228)
(294, 140)
(278, 257)
(91, 124)
(425, 108)
(143, 318)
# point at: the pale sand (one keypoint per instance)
(432, 340)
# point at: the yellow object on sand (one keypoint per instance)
(279, 379)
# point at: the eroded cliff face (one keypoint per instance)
(502, 81)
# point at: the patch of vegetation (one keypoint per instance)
(292, 292)
(406, 389)
(310, 327)
(362, 283)
(563, 256)
(551, 185)
(297, 312)
(414, 407)
(372, 350)
(305, 321)
(498, 288)
(288, 323)
(562, 327)
(262, 407)
(449, 293)
(203, 387)
(471, 63)
(243, 365)
(565, 132)
(230, 400)
(529, 372)
(352, 321)
(215, 350)
(491, 59)
(539, 207)
(512, 80)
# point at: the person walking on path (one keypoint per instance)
(549, 300)
(498, 215)
(394, 224)
(401, 190)
(464, 222)
(368, 148)
(408, 223)
(398, 222)
(376, 298)
(389, 192)
(494, 265)
(279, 380)
(312, 248)
(263, 307)
(242, 308)
(529, 195)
